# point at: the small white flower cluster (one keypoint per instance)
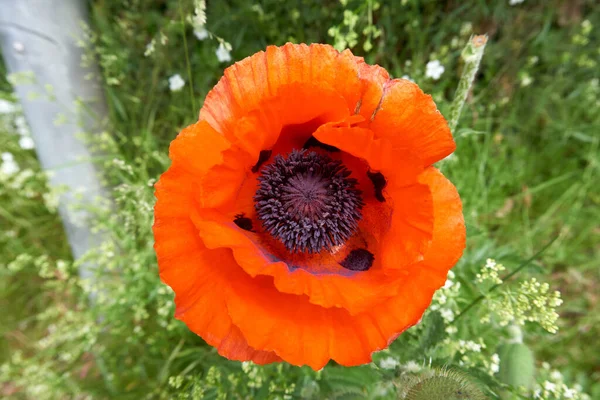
(469, 345)
(495, 364)
(389, 363)
(554, 388)
(434, 70)
(6, 107)
(288, 390)
(490, 272)
(123, 166)
(176, 83)
(525, 79)
(444, 301)
(515, 2)
(198, 22)
(582, 38)
(11, 109)
(224, 51)
(199, 18)
(470, 351)
(9, 166)
(532, 302)
(255, 376)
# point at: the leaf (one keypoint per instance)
(434, 330)
(337, 381)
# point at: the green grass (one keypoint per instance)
(526, 166)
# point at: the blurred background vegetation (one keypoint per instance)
(526, 167)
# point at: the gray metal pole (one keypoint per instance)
(39, 36)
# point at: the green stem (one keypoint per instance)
(187, 58)
(472, 54)
(505, 278)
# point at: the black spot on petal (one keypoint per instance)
(262, 158)
(313, 142)
(379, 182)
(358, 260)
(243, 222)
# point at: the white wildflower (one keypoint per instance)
(549, 386)
(545, 365)
(26, 143)
(223, 52)
(491, 272)
(150, 47)
(176, 83)
(389, 363)
(447, 314)
(201, 33)
(526, 80)
(556, 375)
(495, 365)
(412, 366)
(6, 107)
(199, 18)
(434, 70)
(442, 299)
(515, 2)
(448, 284)
(466, 29)
(22, 127)
(8, 166)
(451, 330)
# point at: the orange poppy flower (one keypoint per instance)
(301, 219)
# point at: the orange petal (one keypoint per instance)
(324, 281)
(185, 263)
(260, 77)
(187, 266)
(207, 314)
(299, 332)
(423, 278)
(449, 233)
(198, 147)
(373, 79)
(302, 333)
(409, 119)
(411, 227)
(397, 165)
(174, 193)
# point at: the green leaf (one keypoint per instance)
(434, 330)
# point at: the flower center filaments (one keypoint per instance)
(308, 202)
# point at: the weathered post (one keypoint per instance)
(40, 36)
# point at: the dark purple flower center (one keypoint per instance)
(307, 201)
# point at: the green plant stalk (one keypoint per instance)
(187, 59)
(471, 54)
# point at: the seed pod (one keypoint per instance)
(517, 365)
(442, 384)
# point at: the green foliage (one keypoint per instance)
(434, 331)
(526, 167)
